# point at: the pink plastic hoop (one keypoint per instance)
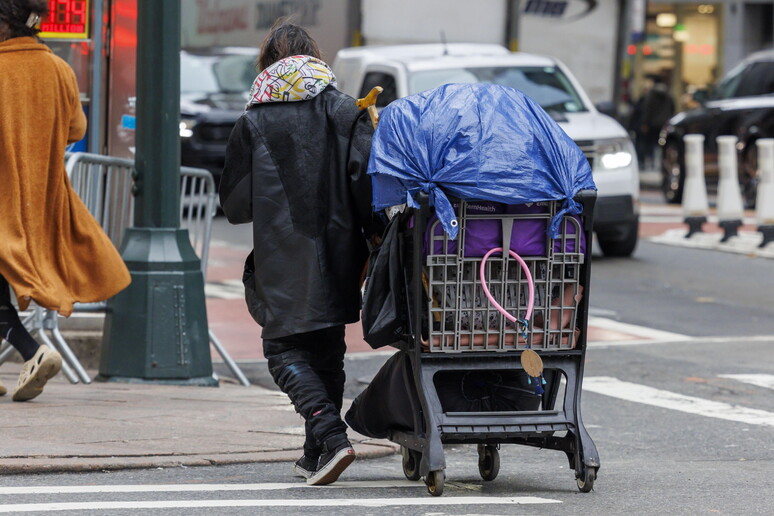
(530, 284)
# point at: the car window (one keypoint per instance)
(431, 79)
(747, 80)
(235, 74)
(546, 85)
(196, 74)
(383, 79)
(216, 74)
(758, 79)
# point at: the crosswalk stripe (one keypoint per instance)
(759, 380)
(679, 340)
(188, 488)
(335, 502)
(651, 334)
(659, 398)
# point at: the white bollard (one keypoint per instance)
(730, 207)
(695, 205)
(764, 202)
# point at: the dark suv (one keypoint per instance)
(742, 105)
(214, 86)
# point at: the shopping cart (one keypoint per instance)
(494, 341)
(456, 328)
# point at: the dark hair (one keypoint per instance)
(286, 39)
(15, 13)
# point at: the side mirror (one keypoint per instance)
(607, 107)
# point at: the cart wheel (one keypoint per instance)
(488, 461)
(586, 479)
(434, 482)
(411, 460)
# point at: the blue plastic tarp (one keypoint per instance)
(474, 142)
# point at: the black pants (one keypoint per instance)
(11, 327)
(309, 368)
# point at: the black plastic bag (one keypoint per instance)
(384, 314)
(255, 306)
(390, 402)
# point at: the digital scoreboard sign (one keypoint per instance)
(67, 19)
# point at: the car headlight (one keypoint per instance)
(186, 127)
(614, 154)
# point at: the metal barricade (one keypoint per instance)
(197, 209)
(104, 184)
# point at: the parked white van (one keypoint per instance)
(408, 69)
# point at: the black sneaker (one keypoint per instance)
(305, 467)
(333, 461)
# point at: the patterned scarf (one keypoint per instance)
(291, 79)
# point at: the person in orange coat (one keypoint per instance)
(52, 251)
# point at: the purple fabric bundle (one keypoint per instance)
(527, 239)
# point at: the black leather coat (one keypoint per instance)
(297, 171)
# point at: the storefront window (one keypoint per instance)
(78, 56)
(680, 47)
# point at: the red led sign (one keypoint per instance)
(67, 19)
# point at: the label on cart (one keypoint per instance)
(532, 363)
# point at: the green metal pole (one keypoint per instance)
(156, 329)
(157, 156)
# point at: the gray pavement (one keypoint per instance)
(111, 426)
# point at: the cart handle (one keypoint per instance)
(530, 284)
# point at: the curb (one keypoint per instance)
(367, 449)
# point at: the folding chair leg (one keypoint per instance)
(66, 369)
(69, 373)
(28, 319)
(229, 361)
(68, 354)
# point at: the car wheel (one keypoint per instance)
(619, 241)
(672, 170)
(748, 175)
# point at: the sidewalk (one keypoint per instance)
(109, 426)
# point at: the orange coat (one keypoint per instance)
(51, 248)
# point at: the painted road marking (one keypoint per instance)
(746, 242)
(658, 398)
(642, 334)
(730, 339)
(226, 289)
(759, 380)
(188, 488)
(335, 502)
(668, 218)
(646, 335)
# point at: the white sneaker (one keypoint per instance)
(36, 372)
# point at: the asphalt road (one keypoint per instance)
(682, 427)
